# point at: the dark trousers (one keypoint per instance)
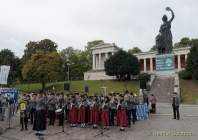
(61, 118)
(153, 108)
(32, 115)
(176, 112)
(24, 122)
(134, 115)
(129, 116)
(112, 116)
(52, 116)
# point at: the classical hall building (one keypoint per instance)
(147, 61)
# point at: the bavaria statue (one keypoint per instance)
(164, 42)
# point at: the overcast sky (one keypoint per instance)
(128, 23)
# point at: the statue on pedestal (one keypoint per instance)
(164, 42)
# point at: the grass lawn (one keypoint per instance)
(94, 86)
(189, 91)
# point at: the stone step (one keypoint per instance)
(162, 88)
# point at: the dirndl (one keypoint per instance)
(40, 120)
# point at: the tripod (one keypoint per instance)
(101, 133)
(63, 125)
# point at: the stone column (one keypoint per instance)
(186, 59)
(99, 61)
(106, 56)
(179, 62)
(144, 64)
(94, 62)
(151, 64)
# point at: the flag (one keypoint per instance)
(4, 72)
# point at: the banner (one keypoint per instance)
(4, 72)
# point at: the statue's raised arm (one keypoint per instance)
(173, 15)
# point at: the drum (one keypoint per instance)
(58, 111)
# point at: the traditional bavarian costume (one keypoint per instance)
(121, 115)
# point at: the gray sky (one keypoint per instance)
(128, 23)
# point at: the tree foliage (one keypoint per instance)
(45, 45)
(121, 65)
(77, 61)
(7, 57)
(43, 67)
(184, 42)
(192, 60)
(134, 50)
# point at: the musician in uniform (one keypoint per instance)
(81, 110)
(73, 111)
(51, 108)
(121, 113)
(105, 113)
(40, 115)
(24, 112)
(32, 108)
(129, 100)
(113, 106)
(94, 111)
(135, 101)
(61, 105)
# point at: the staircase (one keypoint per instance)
(162, 88)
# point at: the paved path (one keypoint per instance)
(161, 126)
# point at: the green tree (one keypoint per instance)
(43, 67)
(45, 45)
(184, 42)
(134, 50)
(192, 61)
(77, 61)
(121, 65)
(7, 57)
(153, 48)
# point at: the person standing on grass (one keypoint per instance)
(153, 101)
(175, 105)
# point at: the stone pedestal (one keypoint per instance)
(165, 64)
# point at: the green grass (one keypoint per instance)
(94, 86)
(189, 91)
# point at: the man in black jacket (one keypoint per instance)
(175, 105)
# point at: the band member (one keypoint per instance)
(24, 113)
(87, 109)
(51, 108)
(105, 113)
(128, 98)
(40, 115)
(81, 111)
(61, 105)
(121, 113)
(32, 108)
(113, 105)
(135, 102)
(94, 111)
(73, 112)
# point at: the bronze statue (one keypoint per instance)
(164, 42)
